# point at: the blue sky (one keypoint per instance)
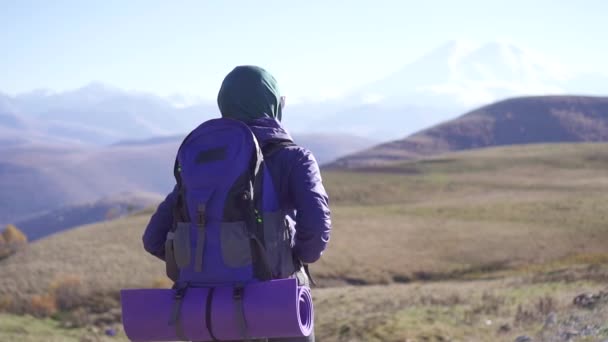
(313, 47)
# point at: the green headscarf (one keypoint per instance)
(248, 93)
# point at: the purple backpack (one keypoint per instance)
(228, 228)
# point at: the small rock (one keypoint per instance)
(587, 300)
(523, 338)
(551, 319)
(569, 334)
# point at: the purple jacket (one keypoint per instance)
(297, 178)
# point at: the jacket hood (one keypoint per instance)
(248, 93)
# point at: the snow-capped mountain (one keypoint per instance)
(452, 79)
(461, 74)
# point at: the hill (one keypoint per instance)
(544, 119)
(505, 235)
(438, 218)
(37, 177)
(108, 208)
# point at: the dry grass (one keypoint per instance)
(497, 310)
(29, 329)
(532, 217)
(464, 212)
(104, 257)
(474, 212)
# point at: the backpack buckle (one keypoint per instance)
(237, 292)
(200, 220)
(180, 291)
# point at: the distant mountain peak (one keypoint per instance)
(460, 74)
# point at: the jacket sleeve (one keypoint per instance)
(313, 216)
(160, 223)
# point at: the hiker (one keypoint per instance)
(251, 95)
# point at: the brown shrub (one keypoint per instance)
(6, 303)
(42, 306)
(12, 234)
(68, 292)
(11, 240)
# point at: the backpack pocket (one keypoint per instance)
(277, 237)
(171, 267)
(182, 245)
(236, 245)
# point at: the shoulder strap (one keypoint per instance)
(275, 146)
(180, 213)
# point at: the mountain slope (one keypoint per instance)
(544, 119)
(36, 178)
(41, 225)
(524, 204)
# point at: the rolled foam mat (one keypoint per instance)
(272, 309)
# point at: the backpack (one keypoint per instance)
(229, 228)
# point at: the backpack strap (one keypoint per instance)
(200, 242)
(208, 314)
(307, 272)
(239, 311)
(252, 200)
(179, 211)
(275, 146)
(176, 314)
(262, 268)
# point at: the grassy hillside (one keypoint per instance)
(492, 208)
(526, 120)
(481, 311)
(437, 218)
(513, 233)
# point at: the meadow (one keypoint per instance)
(484, 245)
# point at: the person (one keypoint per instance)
(251, 95)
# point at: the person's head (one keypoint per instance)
(248, 93)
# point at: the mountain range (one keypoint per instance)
(59, 150)
(433, 88)
(52, 178)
